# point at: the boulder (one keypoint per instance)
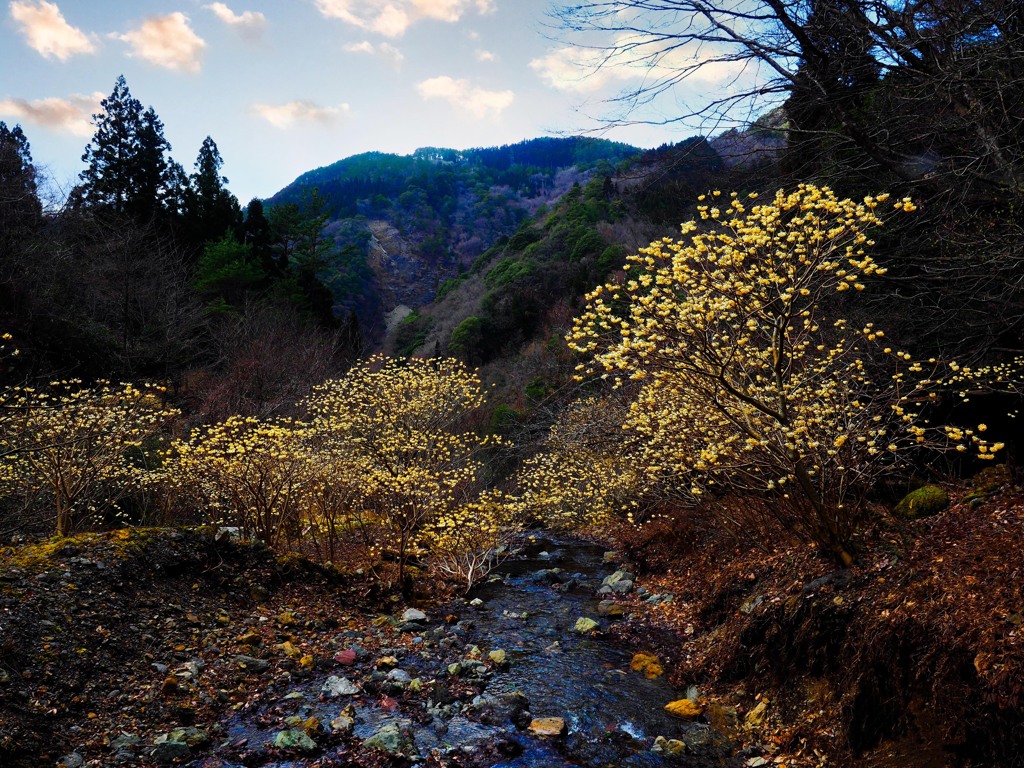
(924, 502)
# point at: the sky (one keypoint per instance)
(287, 86)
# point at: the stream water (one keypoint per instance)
(529, 609)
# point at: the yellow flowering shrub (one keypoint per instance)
(70, 444)
(467, 542)
(586, 473)
(246, 473)
(397, 430)
(744, 384)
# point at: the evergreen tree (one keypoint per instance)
(212, 212)
(127, 171)
(19, 199)
(256, 233)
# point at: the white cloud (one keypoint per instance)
(47, 32)
(70, 115)
(250, 24)
(485, 56)
(576, 69)
(392, 18)
(385, 51)
(299, 111)
(466, 97)
(167, 41)
(583, 70)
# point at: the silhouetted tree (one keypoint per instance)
(211, 211)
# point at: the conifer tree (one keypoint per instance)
(128, 173)
(212, 212)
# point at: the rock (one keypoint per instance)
(169, 751)
(73, 760)
(454, 669)
(585, 626)
(250, 638)
(751, 604)
(336, 686)
(670, 747)
(684, 708)
(723, 719)
(755, 717)
(345, 721)
(610, 609)
(412, 614)
(616, 579)
(399, 676)
(393, 739)
(125, 741)
(346, 658)
(610, 557)
(924, 502)
(647, 664)
(252, 664)
(476, 602)
(623, 587)
(499, 709)
(286, 618)
(294, 738)
(548, 726)
(192, 737)
(757, 762)
(499, 657)
(547, 576)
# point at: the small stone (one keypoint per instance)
(399, 676)
(610, 557)
(585, 626)
(286, 618)
(476, 602)
(346, 658)
(412, 614)
(499, 657)
(336, 686)
(252, 664)
(250, 638)
(73, 760)
(670, 747)
(192, 737)
(548, 726)
(684, 708)
(343, 724)
(294, 738)
(610, 609)
(454, 669)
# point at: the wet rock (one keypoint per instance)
(73, 760)
(670, 747)
(687, 709)
(547, 576)
(610, 609)
(295, 739)
(548, 726)
(125, 741)
(476, 602)
(610, 557)
(585, 626)
(169, 751)
(394, 739)
(492, 709)
(336, 686)
(499, 657)
(345, 721)
(455, 669)
(647, 664)
(252, 664)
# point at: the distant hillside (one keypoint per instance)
(404, 224)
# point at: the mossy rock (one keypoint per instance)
(924, 502)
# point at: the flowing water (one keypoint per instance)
(613, 714)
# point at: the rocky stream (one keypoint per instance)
(519, 674)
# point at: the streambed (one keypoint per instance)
(476, 712)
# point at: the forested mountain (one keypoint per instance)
(405, 224)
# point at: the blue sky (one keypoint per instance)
(287, 86)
